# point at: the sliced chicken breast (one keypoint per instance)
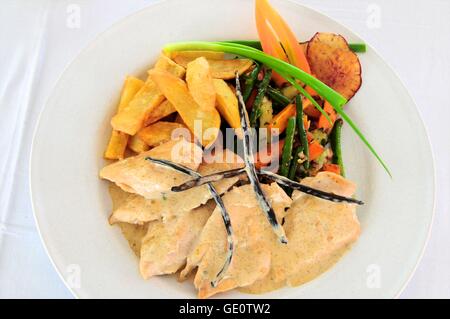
(168, 242)
(252, 231)
(132, 233)
(138, 210)
(136, 175)
(319, 232)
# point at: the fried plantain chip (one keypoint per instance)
(332, 62)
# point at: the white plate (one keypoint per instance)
(71, 204)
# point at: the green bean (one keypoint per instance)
(286, 157)
(277, 97)
(335, 138)
(262, 88)
(302, 131)
(358, 47)
(250, 82)
(294, 165)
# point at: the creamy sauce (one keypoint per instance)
(313, 271)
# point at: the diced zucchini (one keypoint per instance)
(266, 112)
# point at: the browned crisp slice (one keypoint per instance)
(252, 235)
(319, 232)
(200, 83)
(159, 132)
(332, 62)
(136, 175)
(168, 242)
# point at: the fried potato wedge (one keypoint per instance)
(333, 63)
(204, 124)
(118, 140)
(183, 58)
(226, 69)
(131, 86)
(227, 103)
(200, 83)
(161, 111)
(116, 146)
(223, 69)
(165, 63)
(158, 133)
(132, 118)
(137, 145)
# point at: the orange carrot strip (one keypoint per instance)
(315, 150)
(269, 42)
(281, 119)
(323, 122)
(287, 38)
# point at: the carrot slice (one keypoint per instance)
(291, 45)
(323, 122)
(270, 43)
(315, 150)
(281, 119)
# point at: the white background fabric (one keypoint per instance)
(37, 43)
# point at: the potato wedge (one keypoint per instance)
(116, 146)
(161, 111)
(204, 124)
(332, 62)
(183, 58)
(158, 133)
(118, 140)
(200, 83)
(132, 118)
(226, 69)
(131, 86)
(223, 69)
(227, 103)
(165, 63)
(137, 145)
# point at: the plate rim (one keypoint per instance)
(130, 16)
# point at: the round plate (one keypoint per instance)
(71, 203)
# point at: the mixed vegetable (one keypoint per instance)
(296, 91)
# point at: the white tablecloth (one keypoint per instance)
(40, 37)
